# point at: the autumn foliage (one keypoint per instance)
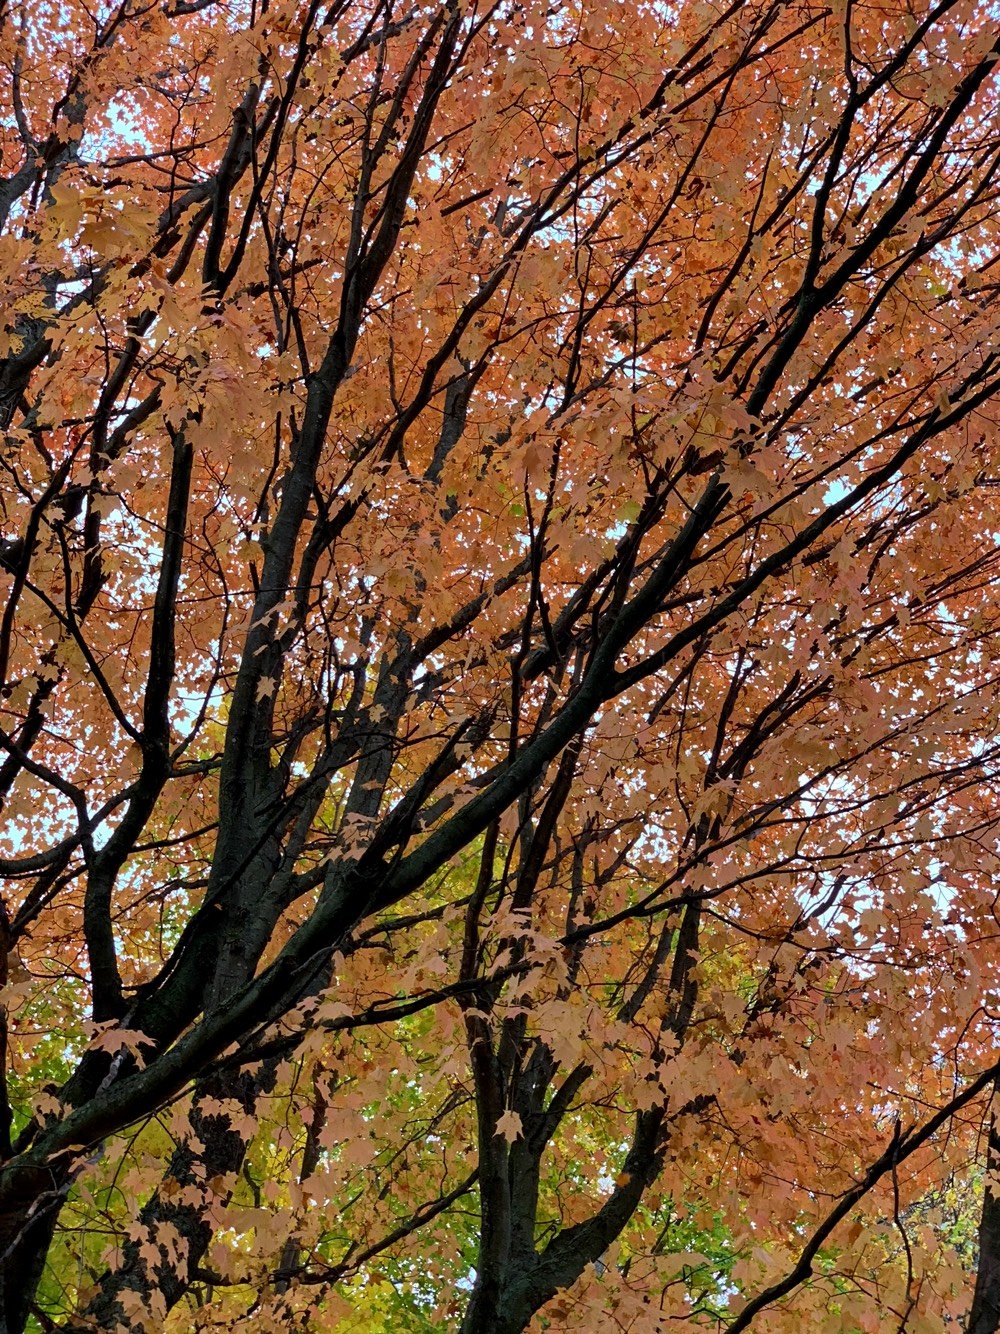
(499, 570)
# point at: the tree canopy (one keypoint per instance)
(499, 555)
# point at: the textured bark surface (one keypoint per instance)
(984, 1317)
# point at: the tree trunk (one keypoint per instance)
(24, 1246)
(152, 1277)
(984, 1317)
(508, 1313)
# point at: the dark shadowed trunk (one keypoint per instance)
(984, 1318)
(159, 1264)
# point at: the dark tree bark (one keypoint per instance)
(984, 1317)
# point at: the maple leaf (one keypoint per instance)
(509, 1127)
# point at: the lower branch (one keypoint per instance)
(900, 1148)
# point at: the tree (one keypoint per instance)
(499, 561)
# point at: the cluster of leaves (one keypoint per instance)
(499, 562)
